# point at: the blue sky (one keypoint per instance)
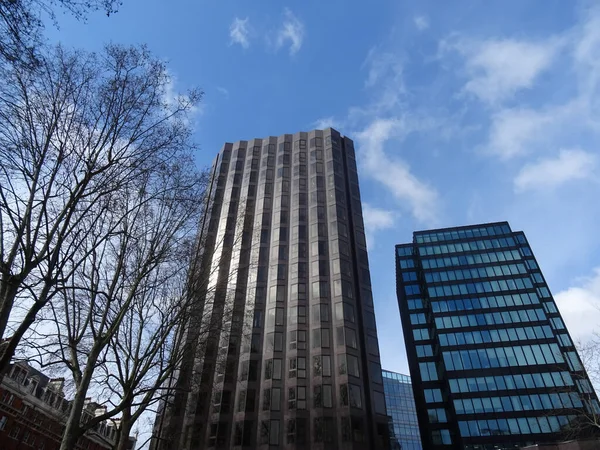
(462, 112)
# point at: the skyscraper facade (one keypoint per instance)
(294, 361)
(491, 361)
(401, 408)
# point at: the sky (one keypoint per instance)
(462, 112)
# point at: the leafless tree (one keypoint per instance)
(85, 142)
(21, 24)
(127, 361)
(588, 421)
(584, 420)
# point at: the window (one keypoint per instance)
(350, 338)
(317, 396)
(437, 415)
(297, 397)
(344, 312)
(275, 342)
(320, 312)
(441, 437)
(349, 365)
(297, 340)
(433, 395)
(8, 398)
(297, 367)
(266, 406)
(275, 399)
(320, 338)
(355, 396)
(424, 350)
(14, 432)
(322, 365)
(428, 371)
(379, 401)
(274, 433)
(275, 317)
(324, 429)
(3, 421)
(273, 369)
(421, 334)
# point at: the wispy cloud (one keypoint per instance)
(384, 67)
(549, 173)
(327, 122)
(421, 22)
(223, 91)
(376, 219)
(239, 32)
(394, 173)
(498, 68)
(515, 131)
(291, 32)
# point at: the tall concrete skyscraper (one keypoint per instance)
(491, 361)
(294, 362)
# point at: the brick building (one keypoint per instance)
(33, 410)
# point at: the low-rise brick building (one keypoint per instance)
(33, 411)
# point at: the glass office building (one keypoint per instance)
(492, 364)
(401, 408)
(293, 360)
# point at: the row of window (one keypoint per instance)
(349, 395)
(478, 258)
(523, 355)
(484, 244)
(521, 425)
(511, 382)
(347, 365)
(478, 288)
(494, 301)
(496, 335)
(296, 431)
(469, 274)
(532, 402)
(497, 301)
(490, 230)
(496, 318)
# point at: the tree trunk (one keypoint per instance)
(7, 350)
(124, 429)
(72, 427)
(9, 286)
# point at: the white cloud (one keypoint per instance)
(386, 119)
(384, 67)
(239, 32)
(513, 131)
(587, 53)
(580, 306)
(498, 68)
(292, 31)
(327, 122)
(376, 219)
(549, 173)
(421, 22)
(394, 173)
(223, 91)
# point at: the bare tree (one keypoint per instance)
(21, 24)
(83, 142)
(588, 420)
(127, 361)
